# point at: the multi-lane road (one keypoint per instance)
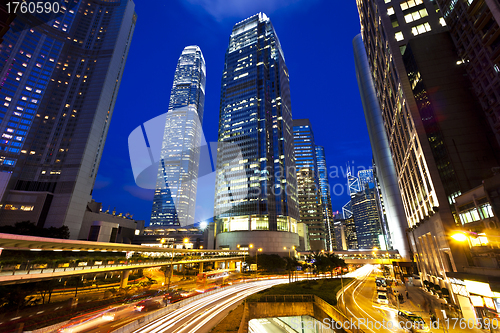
(362, 308)
(201, 315)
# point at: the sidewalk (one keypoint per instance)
(422, 303)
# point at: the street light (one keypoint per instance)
(256, 262)
(242, 268)
(292, 248)
(459, 236)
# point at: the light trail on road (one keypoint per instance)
(360, 305)
(194, 316)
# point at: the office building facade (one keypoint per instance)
(60, 83)
(308, 184)
(367, 218)
(474, 29)
(256, 187)
(350, 233)
(174, 200)
(326, 200)
(439, 145)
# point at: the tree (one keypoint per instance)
(18, 296)
(45, 288)
(291, 266)
(30, 229)
(166, 273)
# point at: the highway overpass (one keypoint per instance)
(22, 272)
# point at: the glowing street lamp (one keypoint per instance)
(459, 236)
(292, 248)
(256, 262)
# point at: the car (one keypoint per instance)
(382, 298)
(382, 289)
(381, 282)
(172, 297)
(412, 322)
(149, 304)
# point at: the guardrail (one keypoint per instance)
(160, 313)
(286, 298)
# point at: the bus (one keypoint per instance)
(211, 280)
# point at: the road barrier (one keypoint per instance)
(160, 313)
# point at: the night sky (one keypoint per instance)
(316, 38)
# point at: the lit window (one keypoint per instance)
(390, 11)
(442, 22)
(420, 29)
(399, 36)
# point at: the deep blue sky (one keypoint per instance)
(316, 37)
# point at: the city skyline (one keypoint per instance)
(119, 190)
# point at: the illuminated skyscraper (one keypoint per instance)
(430, 143)
(365, 177)
(474, 29)
(326, 200)
(174, 201)
(366, 218)
(59, 81)
(310, 205)
(256, 195)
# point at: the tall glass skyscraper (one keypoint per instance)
(256, 196)
(310, 205)
(174, 201)
(59, 80)
(430, 143)
(326, 200)
(367, 218)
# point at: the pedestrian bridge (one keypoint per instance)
(363, 257)
(45, 267)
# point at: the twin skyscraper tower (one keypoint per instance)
(256, 199)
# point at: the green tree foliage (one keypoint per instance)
(30, 229)
(18, 297)
(268, 262)
(325, 262)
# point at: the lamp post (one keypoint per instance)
(242, 268)
(464, 236)
(171, 271)
(256, 262)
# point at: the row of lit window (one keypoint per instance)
(19, 207)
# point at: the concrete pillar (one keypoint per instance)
(241, 266)
(226, 264)
(232, 265)
(124, 279)
(201, 268)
